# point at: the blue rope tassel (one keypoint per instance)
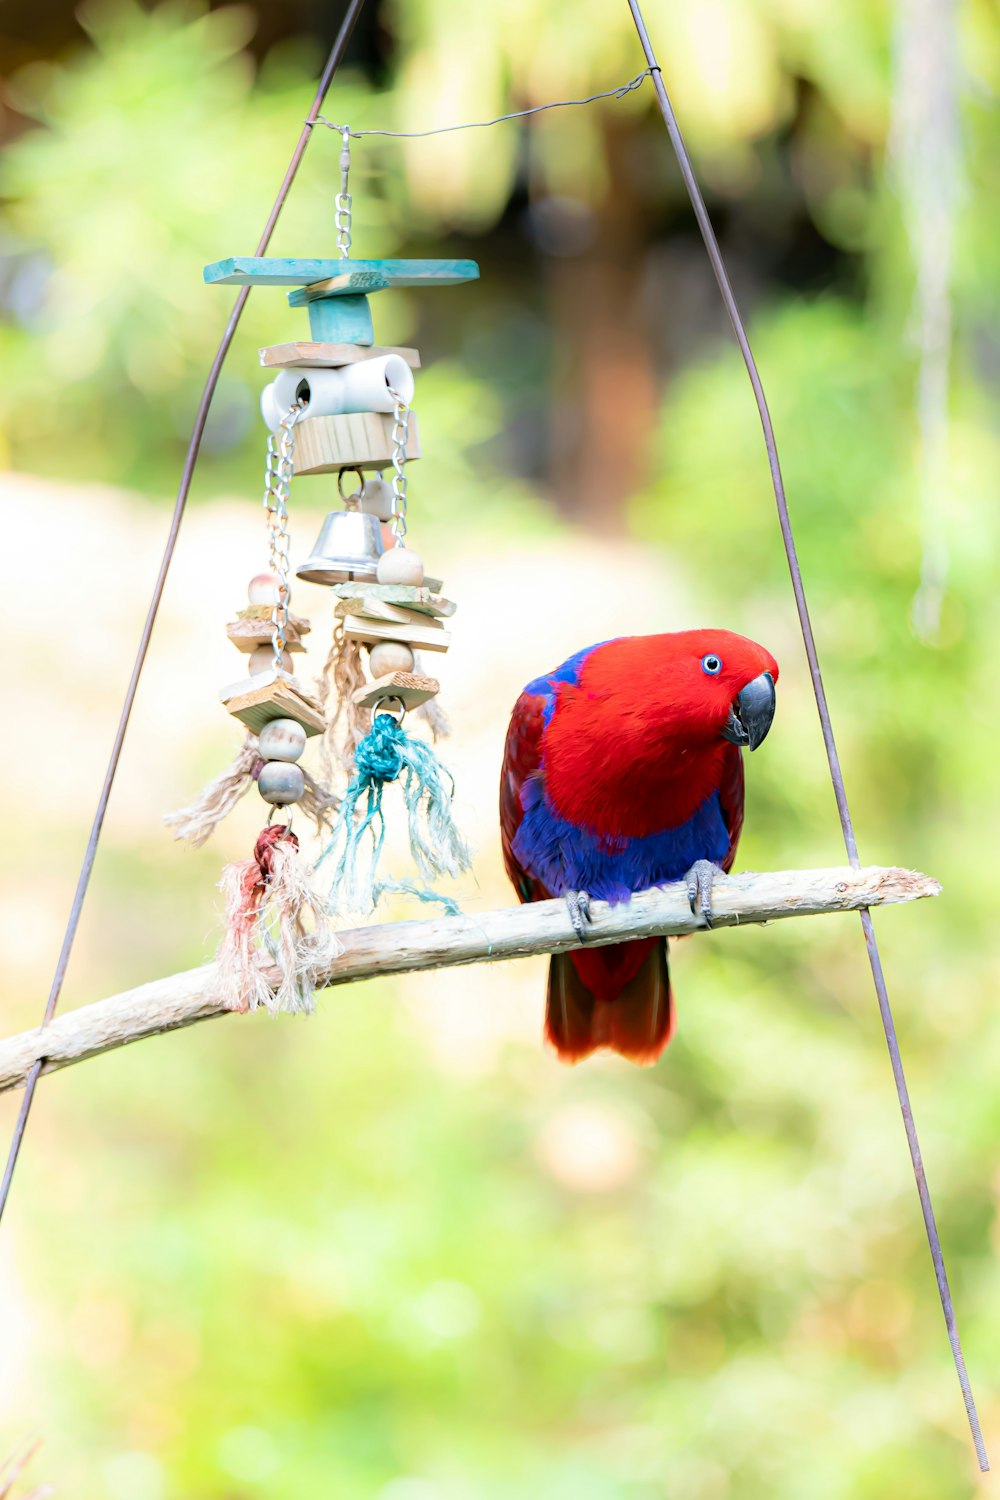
(387, 753)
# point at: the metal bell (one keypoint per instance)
(348, 547)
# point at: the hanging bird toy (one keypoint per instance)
(337, 404)
(279, 936)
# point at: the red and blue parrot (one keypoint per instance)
(623, 770)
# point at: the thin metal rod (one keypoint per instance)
(836, 773)
(194, 447)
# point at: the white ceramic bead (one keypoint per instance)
(263, 588)
(282, 739)
(390, 656)
(400, 565)
(270, 406)
(262, 660)
(280, 783)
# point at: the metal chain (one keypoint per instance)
(344, 200)
(400, 433)
(277, 480)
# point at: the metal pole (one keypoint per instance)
(836, 774)
(194, 447)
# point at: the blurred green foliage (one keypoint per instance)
(336, 1268)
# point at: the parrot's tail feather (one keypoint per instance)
(642, 1018)
(617, 997)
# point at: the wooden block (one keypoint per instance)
(272, 695)
(324, 445)
(373, 608)
(270, 270)
(247, 635)
(328, 356)
(429, 637)
(254, 627)
(408, 688)
(422, 598)
(342, 320)
(298, 623)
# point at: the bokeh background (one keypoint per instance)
(396, 1251)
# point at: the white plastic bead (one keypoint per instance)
(263, 588)
(400, 565)
(280, 783)
(262, 660)
(281, 739)
(390, 656)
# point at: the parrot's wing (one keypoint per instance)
(731, 800)
(522, 758)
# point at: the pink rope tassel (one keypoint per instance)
(279, 940)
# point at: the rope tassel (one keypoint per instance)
(269, 901)
(386, 754)
(431, 712)
(197, 823)
(346, 723)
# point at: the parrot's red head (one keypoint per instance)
(704, 684)
(646, 725)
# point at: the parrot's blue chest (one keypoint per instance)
(566, 858)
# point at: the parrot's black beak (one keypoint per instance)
(750, 716)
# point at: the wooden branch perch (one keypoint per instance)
(486, 937)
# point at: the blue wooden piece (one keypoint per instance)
(253, 270)
(341, 320)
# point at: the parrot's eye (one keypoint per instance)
(711, 664)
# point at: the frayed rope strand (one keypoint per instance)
(197, 823)
(273, 911)
(431, 712)
(346, 722)
(386, 754)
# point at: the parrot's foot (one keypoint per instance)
(578, 906)
(699, 880)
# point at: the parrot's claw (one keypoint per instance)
(578, 906)
(699, 881)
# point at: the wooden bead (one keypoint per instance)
(282, 739)
(262, 660)
(390, 656)
(264, 588)
(400, 565)
(280, 783)
(377, 499)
